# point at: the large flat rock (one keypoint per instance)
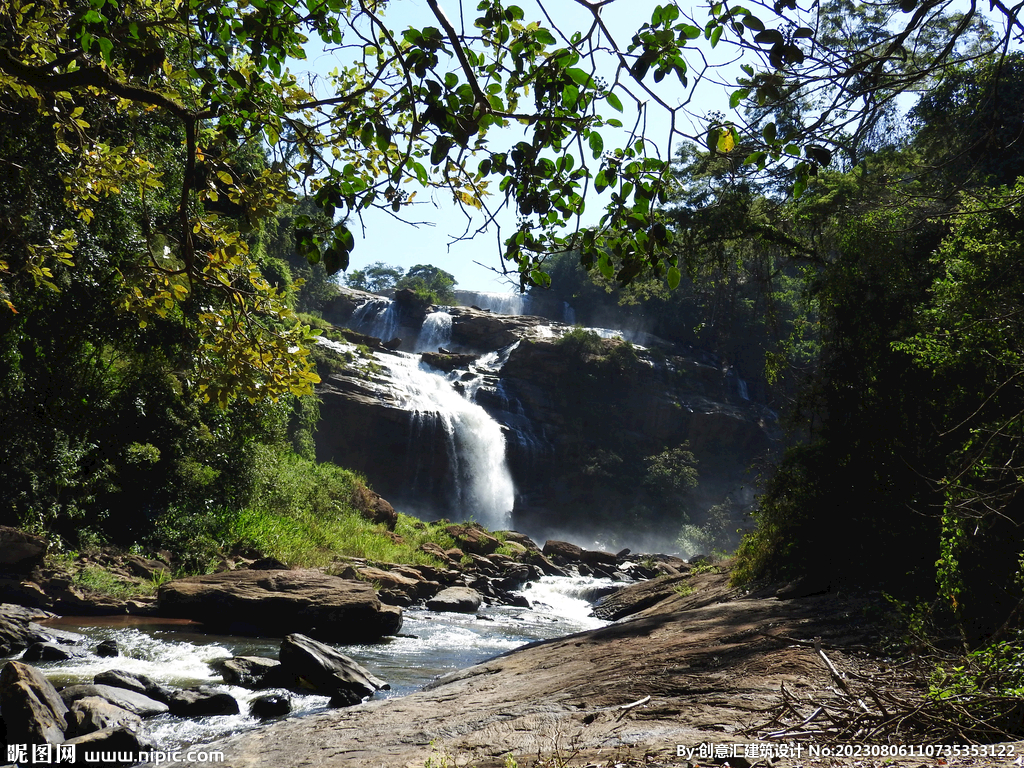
(278, 603)
(712, 666)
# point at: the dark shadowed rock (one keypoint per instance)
(456, 600)
(91, 714)
(50, 652)
(447, 361)
(522, 539)
(562, 552)
(199, 702)
(33, 711)
(275, 602)
(18, 629)
(254, 672)
(637, 597)
(20, 552)
(329, 672)
(271, 705)
(107, 649)
(136, 703)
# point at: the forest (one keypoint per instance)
(176, 204)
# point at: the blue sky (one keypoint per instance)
(475, 263)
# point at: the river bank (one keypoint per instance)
(705, 666)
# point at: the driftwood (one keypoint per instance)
(893, 707)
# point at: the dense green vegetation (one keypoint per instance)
(431, 284)
(880, 310)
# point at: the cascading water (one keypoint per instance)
(435, 332)
(501, 303)
(480, 485)
(379, 318)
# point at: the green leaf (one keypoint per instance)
(596, 144)
(769, 36)
(613, 101)
(737, 97)
(715, 35)
(712, 142)
(769, 133)
(440, 149)
(570, 95)
(578, 75)
(674, 276)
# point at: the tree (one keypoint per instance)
(430, 282)
(376, 278)
(419, 110)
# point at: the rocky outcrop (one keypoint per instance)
(703, 672)
(579, 428)
(456, 600)
(92, 713)
(279, 602)
(20, 551)
(136, 703)
(33, 711)
(327, 671)
(18, 629)
(253, 672)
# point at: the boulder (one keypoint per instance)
(20, 552)
(254, 672)
(374, 508)
(200, 702)
(33, 711)
(562, 552)
(107, 649)
(273, 602)
(136, 703)
(447, 361)
(122, 742)
(596, 557)
(91, 714)
(328, 671)
(132, 681)
(547, 567)
(18, 629)
(637, 597)
(271, 705)
(473, 539)
(456, 600)
(521, 539)
(392, 583)
(50, 652)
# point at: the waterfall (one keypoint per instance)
(502, 303)
(741, 387)
(481, 484)
(435, 332)
(378, 318)
(568, 314)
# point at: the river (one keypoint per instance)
(178, 653)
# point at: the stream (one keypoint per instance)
(178, 653)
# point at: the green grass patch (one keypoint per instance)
(97, 579)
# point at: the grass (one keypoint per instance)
(97, 579)
(307, 539)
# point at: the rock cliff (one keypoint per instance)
(584, 419)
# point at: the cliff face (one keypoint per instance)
(584, 427)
